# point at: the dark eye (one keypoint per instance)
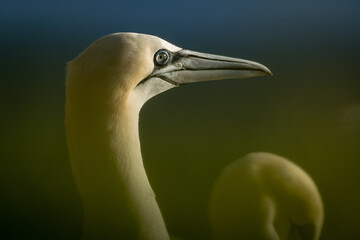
(161, 57)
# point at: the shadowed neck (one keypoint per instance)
(104, 148)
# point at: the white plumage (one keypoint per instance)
(107, 85)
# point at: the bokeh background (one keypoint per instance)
(309, 111)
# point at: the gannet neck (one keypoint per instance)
(104, 148)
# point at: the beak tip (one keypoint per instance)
(267, 71)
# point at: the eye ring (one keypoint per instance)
(161, 57)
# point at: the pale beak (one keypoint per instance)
(189, 66)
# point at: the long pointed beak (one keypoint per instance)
(189, 66)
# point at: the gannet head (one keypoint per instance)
(140, 66)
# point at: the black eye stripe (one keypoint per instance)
(173, 58)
